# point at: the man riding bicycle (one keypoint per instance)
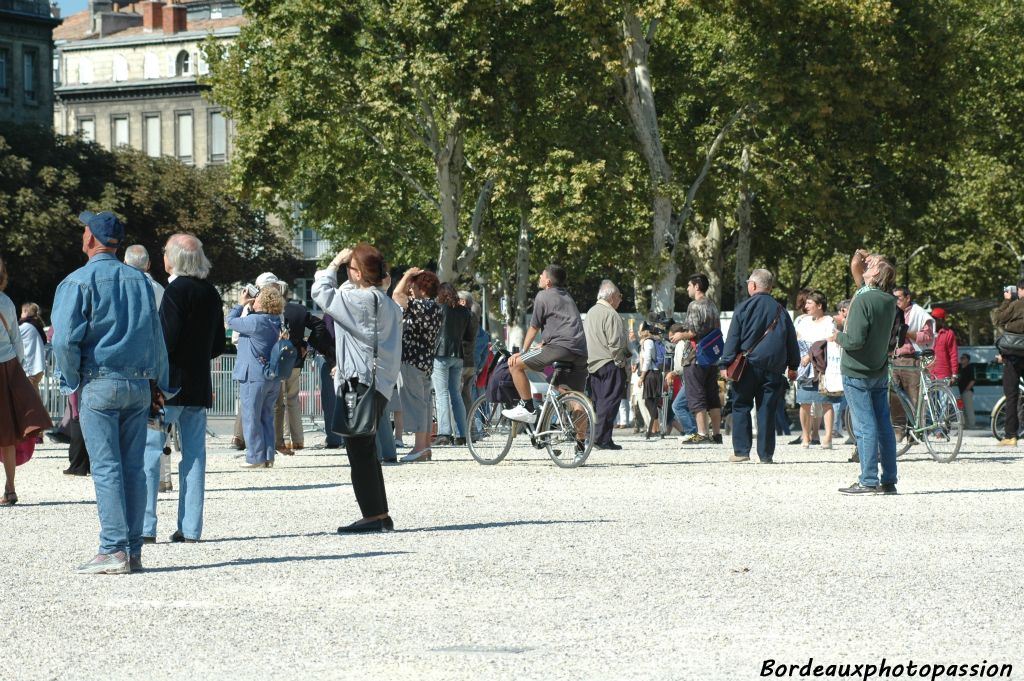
(555, 313)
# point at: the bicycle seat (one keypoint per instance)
(561, 365)
(924, 354)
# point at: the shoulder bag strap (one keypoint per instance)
(767, 331)
(376, 324)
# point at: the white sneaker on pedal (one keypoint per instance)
(519, 413)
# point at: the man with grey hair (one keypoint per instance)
(137, 256)
(607, 351)
(762, 330)
(469, 363)
(192, 316)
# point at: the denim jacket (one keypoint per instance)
(106, 326)
(257, 334)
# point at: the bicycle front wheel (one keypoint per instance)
(491, 433)
(944, 429)
(570, 425)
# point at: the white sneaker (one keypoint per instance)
(519, 413)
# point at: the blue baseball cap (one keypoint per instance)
(105, 226)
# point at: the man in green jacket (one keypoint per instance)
(865, 343)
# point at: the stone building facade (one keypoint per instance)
(128, 74)
(26, 56)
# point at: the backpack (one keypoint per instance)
(709, 348)
(283, 357)
(659, 354)
(898, 335)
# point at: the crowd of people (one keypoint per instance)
(134, 360)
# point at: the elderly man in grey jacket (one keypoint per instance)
(607, 351)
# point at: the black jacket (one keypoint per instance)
(456, 328)
(192, 315)
(298, 319)
(751, 319)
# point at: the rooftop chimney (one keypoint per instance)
(175, 18)
(152, 15)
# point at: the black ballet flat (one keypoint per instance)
(360, 527)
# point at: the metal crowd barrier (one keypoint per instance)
(225, 391)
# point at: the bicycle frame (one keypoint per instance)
(915, 415)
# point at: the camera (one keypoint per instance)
(1012, 290)
(252, 290)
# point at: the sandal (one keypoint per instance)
(9, 499)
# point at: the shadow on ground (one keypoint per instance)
(242, 562)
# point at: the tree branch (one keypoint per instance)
(472, 248)
(684, 214)
(405, 174)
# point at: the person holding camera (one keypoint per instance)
(1010, 317)
(258, 332)
(368, 336)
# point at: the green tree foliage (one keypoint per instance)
(46, 180)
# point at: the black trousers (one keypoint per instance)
(607, 385)
(367, 475)
(1011, 389)
(78, 455)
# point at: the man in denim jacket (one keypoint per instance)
(109, 343)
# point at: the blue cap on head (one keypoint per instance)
(105, 226)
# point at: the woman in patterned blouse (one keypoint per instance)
(415, 293)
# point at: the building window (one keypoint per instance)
(183, 136)
(56, 68)
(87, 129)
(120, 68)
(183, 64)
(30, 70)
(150, 66)
(85, 74)
(151, 134)
(218, 137)
(216, 12)
(5, 66)
(118, 131)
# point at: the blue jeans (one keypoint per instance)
(191, 471)
(766, 389)
(113, 419)
(682, 412)
(447, 380)
(258, 400)
(327, 400)
(868, 400)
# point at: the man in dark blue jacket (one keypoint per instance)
(760, 327)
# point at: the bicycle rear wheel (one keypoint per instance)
(905, 437)
(491, 433)
(999, 418)
(570, 425)
(944, 429)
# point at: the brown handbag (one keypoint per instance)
(738, 366)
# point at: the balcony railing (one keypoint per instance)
(313, 249)
(37, 7)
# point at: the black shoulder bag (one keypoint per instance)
(359, 407)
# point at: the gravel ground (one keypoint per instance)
(656, 562)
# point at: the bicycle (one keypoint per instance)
(936, 420)
(998, 422)
(565, 427)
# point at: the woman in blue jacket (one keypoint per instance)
(259, 332)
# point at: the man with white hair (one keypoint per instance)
(137, 256)
(607, 351)
(762, 330)
(192, 316)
